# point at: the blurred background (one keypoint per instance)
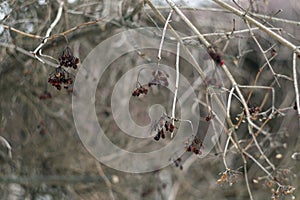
(48, 160)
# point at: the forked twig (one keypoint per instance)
(38, 49)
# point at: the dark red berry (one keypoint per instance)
(196, 140)
(67, 59)
(163, 136)
(196, 151)
(215, 56)
(135, 93)
(157, 137)
(171, 128)
(208, 118)
(189, 148)
(167, 126)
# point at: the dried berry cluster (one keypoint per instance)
(140, 90)
(160, 77)
(253, 110)
(230, 177)
(223, 178)
(177, 163)
(215, 56)
(282, 191)
(195, 146)
(167, 127)
(60, 76)
(67, 59)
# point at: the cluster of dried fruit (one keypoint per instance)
(67, 59)
(195, 146)
(282, 191)
(253, 110)
(140, 90)
(230, 177)
(159, 77)
(60, 76)
(167, 127)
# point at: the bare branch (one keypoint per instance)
(38, 49)
(176, 84)
(163, 35)
(296, 84)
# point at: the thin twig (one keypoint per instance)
(296, 84)
(246, 177)
(229, 102)
(176, 85)
(73, 29)
(21, 32)
(258, 163)
(163, 36)
(225, 150)
(262, 51)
